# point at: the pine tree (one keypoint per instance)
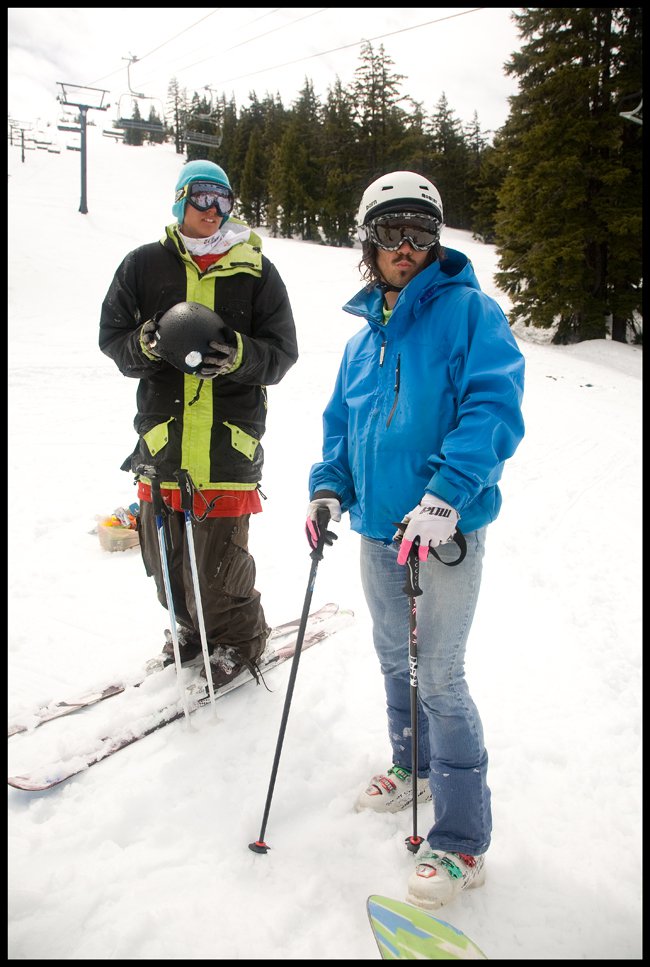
(306, 121)
(155, 137)
(376, 96)
(569, 220)
(252, 187)
(134, 135)
(415, 143)
(340, 167)
(227, 154)
(176, 111)
(449, 164)
(626, 259)
(475, 146)
(493, 167)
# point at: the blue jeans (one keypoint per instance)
(451, 751)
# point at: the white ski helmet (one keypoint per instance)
(400, 191)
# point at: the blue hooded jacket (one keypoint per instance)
(429, 402)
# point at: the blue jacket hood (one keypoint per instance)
(456, 269)
(430, 402)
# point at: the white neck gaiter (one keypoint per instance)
(217, 244)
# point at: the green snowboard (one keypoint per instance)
(404, 932)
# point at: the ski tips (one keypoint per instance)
(406, 932)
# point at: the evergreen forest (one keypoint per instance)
(557, 189)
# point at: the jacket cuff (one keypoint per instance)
(326, 493)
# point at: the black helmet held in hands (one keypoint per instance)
(184, 334)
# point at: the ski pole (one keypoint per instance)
(322, 518)
(413, 589)
(187, 503)
(158, 508)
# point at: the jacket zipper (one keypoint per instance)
(397, 381)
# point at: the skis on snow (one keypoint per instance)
(55, 710)
(404, 932)
(281, 647)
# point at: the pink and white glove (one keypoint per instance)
(333, 507)
(433, 521)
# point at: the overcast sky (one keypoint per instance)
(456, 51)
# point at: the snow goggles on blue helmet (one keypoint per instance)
(389, 231)
(204, 195)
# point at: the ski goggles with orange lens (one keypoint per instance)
(388, 232)
(204, 195)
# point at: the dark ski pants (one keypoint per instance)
(232, 608)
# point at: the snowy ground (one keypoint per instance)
(146, 855)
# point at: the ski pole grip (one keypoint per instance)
(185, 487)
(322, 520)
(156, 496)
(412, 571)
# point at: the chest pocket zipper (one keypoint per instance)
(397, 382)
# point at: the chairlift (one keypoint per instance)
(134, 124)
(191, 136)
(147, 127)
(197, 137)
(138, 124)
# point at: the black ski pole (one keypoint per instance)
(413, 589)
(322, 518)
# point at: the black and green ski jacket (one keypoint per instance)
(212, 428)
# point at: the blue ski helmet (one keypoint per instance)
(198, 171)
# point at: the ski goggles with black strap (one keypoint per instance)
(204, 195)
(389, 231)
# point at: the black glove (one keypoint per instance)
(149, 336)
(222, 361)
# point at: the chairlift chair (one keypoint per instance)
(197, 137)
(139, 124)
(192, 136)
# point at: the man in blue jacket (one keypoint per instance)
(425, 411)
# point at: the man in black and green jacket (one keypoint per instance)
(209, 422)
